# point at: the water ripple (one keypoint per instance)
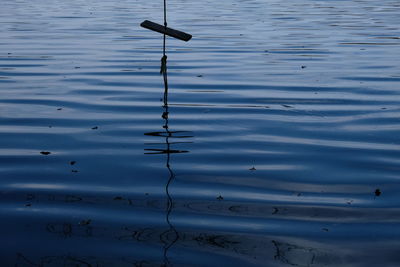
(272, 138)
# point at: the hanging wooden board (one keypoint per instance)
(165, 30)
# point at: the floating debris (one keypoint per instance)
(59, 109)
(85, 222)
(199, 76)
(72, 162)
(325, 229)
(28, 205)
(276, 210)
(220, 241)
(286, 106)
(72, 199)
(95, 128)
(289, 254)
(377, 192)
(220, 197)
(303, 67)
(45, 153)
(118, 198)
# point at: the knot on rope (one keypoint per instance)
(163, 69)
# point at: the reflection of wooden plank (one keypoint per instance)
(165, 30)
(164, 151)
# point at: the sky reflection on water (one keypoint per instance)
(265, 144)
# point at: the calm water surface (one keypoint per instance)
(279, 144)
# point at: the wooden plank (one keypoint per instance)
(165, 30)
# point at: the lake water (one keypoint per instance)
(279, 144)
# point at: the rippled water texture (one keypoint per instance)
(279, 144)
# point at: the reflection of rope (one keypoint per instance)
(171, 229)
(169, 198)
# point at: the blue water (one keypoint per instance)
(279, 144)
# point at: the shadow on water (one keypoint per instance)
(170, 236)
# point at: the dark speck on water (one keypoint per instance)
(377, 192)
(287, 106)
(273, 143)
(85, 222)
(275, 211)
(70, 198)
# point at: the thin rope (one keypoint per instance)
(170, 203)
(163, 69)
(165, 13)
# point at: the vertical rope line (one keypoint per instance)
(165, 13)
(165, 24)
(164, 72)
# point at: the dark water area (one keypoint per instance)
(278, 145)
